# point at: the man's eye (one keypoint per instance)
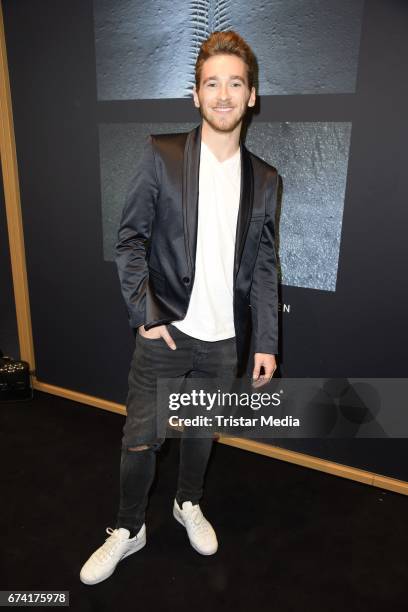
(236, 84)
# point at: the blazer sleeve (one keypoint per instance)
(134, 231)
(264, 288)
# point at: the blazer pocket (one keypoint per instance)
(255, 218)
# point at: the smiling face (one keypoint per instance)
(224, 96)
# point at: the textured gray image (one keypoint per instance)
(147, 48)
(312, 161)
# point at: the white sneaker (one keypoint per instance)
(200, 532)
(101, 564)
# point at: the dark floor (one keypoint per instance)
(290, 538)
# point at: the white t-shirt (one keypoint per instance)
(210, 313)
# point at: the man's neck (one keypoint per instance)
(223, 144)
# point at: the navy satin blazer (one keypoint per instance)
(157, 236)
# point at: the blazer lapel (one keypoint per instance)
(191, 177)
(245, 206)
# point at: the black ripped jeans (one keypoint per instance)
(153, 359)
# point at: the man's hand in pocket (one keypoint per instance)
(155, 333)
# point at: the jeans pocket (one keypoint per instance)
(149, 339)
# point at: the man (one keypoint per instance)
(197, 267)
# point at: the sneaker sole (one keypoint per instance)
(180, 520)
(141, 544)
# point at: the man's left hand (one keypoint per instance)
(268, 362)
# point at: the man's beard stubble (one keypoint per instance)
(222, 126)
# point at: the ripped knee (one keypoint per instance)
(154, 445)
(138, 448)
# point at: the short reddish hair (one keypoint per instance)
(226, 43)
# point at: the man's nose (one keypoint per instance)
(224, 94)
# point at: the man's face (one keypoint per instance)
(224, 95)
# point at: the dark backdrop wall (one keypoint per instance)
(8, 322)
(90, 79)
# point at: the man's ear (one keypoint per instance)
(195, 96)
(252, 97)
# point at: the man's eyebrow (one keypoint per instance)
(233, 77)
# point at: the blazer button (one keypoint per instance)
(186, 280)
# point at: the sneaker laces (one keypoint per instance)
(197, 521)
(107, 550)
